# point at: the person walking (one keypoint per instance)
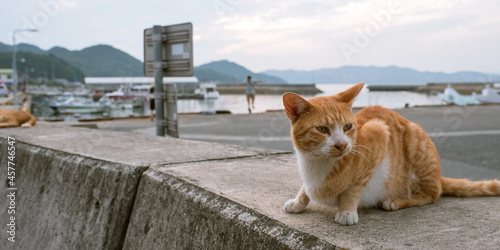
(250, 91)
(152, 102)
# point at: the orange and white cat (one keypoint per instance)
(15, 118)
(373, 158)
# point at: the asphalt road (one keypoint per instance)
(467, 138)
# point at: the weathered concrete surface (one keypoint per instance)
(125, 148)
(66, 201)
(76, 186)
(171, 213)
(265, 183)
(82, 188)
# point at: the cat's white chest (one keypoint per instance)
(313, 175)
(375, 191)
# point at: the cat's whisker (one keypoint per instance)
(359, 154)
(360, 147)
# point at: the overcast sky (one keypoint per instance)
(430, 35)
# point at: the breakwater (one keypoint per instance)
(271, 89)
(461, 88)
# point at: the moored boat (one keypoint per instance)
(71, 104)
(489, 95)
(129, 92)
(208, 91)
(451, 96)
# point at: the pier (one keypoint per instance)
(271, 89)
(461, 88)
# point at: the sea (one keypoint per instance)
(237, 104)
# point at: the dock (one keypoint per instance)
(461, 88)
(271, 89)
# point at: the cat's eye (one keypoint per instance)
(322, 129)
(347, 126)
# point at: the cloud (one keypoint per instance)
(68, 4)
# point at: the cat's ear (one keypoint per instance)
(295, 106)
(351, 93)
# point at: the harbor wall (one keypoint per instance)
(81, 188)
(271, 89)
(65, 200)
(461, 88)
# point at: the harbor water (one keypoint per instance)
(236, 104)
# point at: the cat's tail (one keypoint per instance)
(31, 122)
(466, 188)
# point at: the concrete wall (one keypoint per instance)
(81, 188)
(77, 188)
(69, 201)
(180, 215)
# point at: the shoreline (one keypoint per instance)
(428, 88)
(227, 112)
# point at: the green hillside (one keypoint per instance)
(101, 60)
(42, 65)
(211, 75)
(230, 72)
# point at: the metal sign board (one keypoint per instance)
(177, 50)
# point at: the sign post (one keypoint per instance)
(168, 51)
(158, 74)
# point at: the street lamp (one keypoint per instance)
(14, 69)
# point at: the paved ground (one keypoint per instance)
(467, 138)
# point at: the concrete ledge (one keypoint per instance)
(82, 188)
(450, 223)
(68, 201)
(180, 215)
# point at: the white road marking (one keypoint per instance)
(287, 138)
(233, 137)
(464, 133)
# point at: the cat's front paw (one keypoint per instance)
(346, 217)
(294, 206)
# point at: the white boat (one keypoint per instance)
(123, 104)
(489, 95)
(451, 96)
(130, 92)
(71, 104)
(208, 91)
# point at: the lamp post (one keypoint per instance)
(14, 69)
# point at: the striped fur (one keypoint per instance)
(15, 118)
(373, 158)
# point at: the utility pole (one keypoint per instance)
(158, 73)
(14, 66)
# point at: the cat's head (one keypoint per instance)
(323, 126)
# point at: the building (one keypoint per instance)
(6, 76)
(108, 84)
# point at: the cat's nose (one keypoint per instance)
(340, 147)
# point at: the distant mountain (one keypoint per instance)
(99, 60)
(378, 75)
(42, 65)
(4, 48)
(104, 60)
(230, 72)
(211, 75)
